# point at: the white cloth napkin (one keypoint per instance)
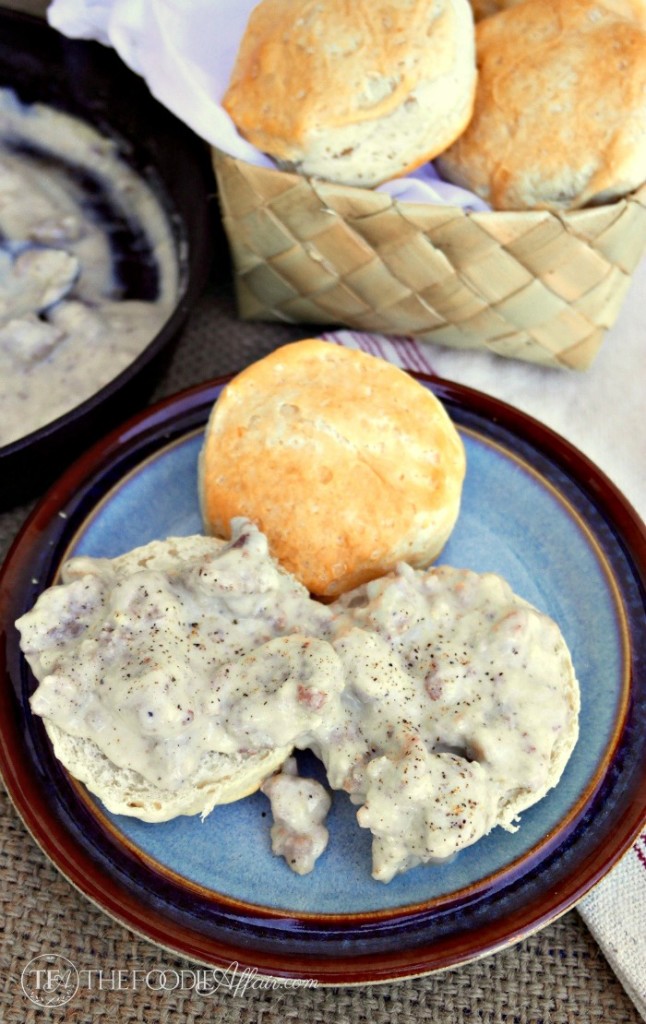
(600, 411)
(185, 50)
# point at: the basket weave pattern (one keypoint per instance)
(530, 285)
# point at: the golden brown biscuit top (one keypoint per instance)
(309, 66)
(560, 104)
(340, 458)
(485, 8)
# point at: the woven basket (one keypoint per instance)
(530, 285)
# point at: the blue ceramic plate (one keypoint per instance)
(533, 510)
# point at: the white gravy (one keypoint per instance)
(65, 331)
(438, 700)
(159, 656)
(299, 808)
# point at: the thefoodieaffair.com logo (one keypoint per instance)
(52, 980)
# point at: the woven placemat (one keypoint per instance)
(558, 976)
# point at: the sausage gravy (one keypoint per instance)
(88, 267)
(441, 702)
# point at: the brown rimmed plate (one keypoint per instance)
(535, 510)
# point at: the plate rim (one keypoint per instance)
(493, 881)
(111, 451)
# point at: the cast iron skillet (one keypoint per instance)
(91, 82)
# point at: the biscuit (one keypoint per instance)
(485, 8)
(346, 463)
(219, 779)
(354, 93)
(83, 632)
(560, 106)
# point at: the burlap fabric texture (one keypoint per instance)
(530, 285)
(557, 976)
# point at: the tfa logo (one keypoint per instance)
(50, 980)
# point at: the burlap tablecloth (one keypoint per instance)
(558, 976)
